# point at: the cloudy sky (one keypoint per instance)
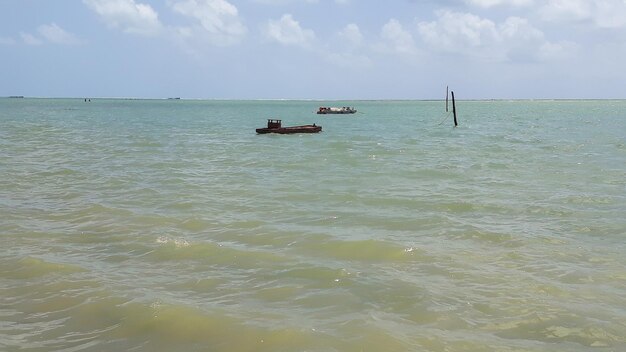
(313, 49)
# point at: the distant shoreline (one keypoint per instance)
(313, 100)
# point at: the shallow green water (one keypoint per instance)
(151, 225)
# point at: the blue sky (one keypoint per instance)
(313, 49)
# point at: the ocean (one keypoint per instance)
(170, 225)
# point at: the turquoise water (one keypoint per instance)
(161, 225)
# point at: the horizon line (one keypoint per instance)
(305, 99)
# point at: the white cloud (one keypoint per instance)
(284, 2)
(603, 13)
(516, 28)
(352, 34)
(556, 51)
(453, 31)
(518, 40)
(397, 39)
(566, 10)
(288, 31)
(218, 20)
(492, 3)
(51, 33)
(346, 49)
(513, 40)
(30, 39)
(127, 15)
(55, 34)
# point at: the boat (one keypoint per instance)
(275, 126)
(334, 110)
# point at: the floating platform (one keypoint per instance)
(333, 110)
(275, 126)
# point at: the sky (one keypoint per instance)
(314, 49)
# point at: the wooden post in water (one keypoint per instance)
(454, 110)
(446, 98)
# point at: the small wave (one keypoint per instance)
(211, 253)
(178, 242)
(364, 250)
(549, 329)
(195, 224)
(31, 267)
